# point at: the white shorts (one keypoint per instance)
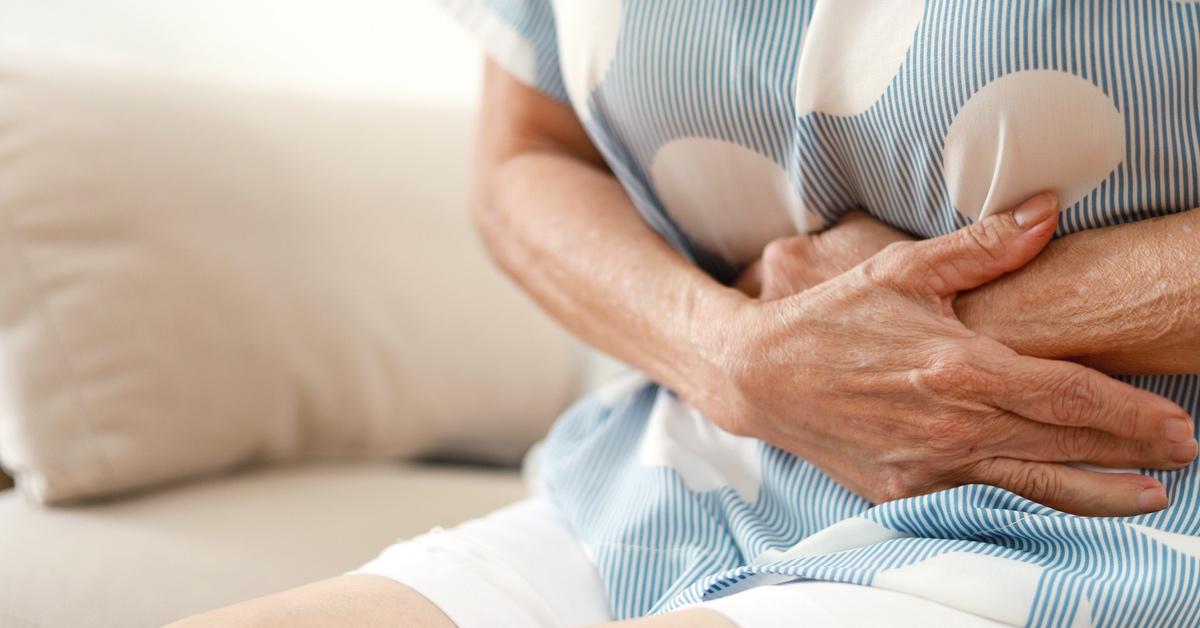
(521, 566)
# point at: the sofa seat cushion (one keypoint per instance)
(152, 558)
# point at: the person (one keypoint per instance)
(868, 383)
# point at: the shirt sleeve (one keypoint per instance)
(519, 35)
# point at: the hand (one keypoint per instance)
(871, 377)
(796, 263)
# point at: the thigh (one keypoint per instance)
(519, 566)
(359, 600)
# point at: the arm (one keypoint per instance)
(562, 226)
(1123, 299)
(790, 371)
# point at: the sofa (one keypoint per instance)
(247, 335)
(149, 559)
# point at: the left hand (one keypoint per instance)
(796, 263)
(870, 377)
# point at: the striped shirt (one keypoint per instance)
(731, 123)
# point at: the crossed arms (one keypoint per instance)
(952, 329)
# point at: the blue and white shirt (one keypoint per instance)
(731, 123)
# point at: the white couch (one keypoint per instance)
(166, 551)
(149, 559)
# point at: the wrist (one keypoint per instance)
(739, 358)
(715, 332)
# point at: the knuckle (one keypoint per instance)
(1077, 444)
(1035, 482)
(887, 266)
(900, 250)
(1073, 398)
(981, 471)
(987, 237)
(779, 252)
(786, 264)
(1126, 416)
(1142, 453)
(949, 373)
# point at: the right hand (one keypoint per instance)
(798, 262)
(871, 377)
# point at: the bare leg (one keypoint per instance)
(686, 618)
(359, 600)
(368, 601)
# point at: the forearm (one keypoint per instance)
(563, 227)
(1124, 299)
(568, 234)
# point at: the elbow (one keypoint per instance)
(486, 215)
(489, 216)
(489, 227)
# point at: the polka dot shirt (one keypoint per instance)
(731, 123)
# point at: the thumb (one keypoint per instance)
(985, 250)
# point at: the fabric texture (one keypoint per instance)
(149, 559)
(523, 567)
(196, 275)
(517, 567)
(732, 123)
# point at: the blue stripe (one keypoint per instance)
(725, 70)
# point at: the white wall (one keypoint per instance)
(407, 50)
(389, 48)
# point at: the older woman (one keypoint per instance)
(722, 195)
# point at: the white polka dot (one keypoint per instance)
(970, 582)
(1029, 132)
(847, 534)
(587, 41)
(727, 198)
(512, 51)
(705, 457)
(852, 52)
(1183, 543)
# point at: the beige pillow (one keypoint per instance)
(195, 276)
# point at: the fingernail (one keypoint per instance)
(1183, 452)
(1036, 210)
(1177, 430)
(1152, 499)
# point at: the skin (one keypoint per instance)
(1122, 299)
(1133, 312)
(790, 371)
(366, 601)
(361, 601)
(897, 367)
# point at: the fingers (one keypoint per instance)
(1080, 492)
(786, 266)
(750, 281)
(854, 216)
(1051, 443)
(980, 252)
(856, 237)
(1070, 395)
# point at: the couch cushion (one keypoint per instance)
(196, 275)
(155, 557)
